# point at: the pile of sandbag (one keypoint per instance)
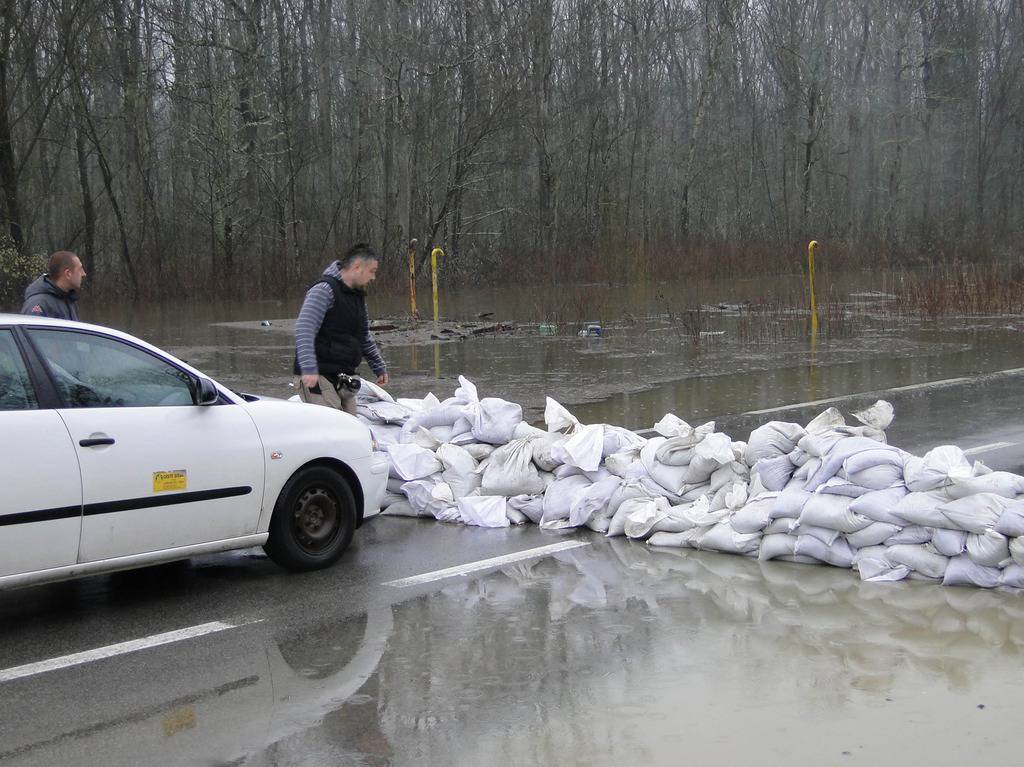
(825, 492)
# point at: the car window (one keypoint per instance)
(16, 391)
(96, 371)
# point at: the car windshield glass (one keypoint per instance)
(15, 387)
(97, 371)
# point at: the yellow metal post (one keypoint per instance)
(435, 254)
(810, 276)
(412, 279)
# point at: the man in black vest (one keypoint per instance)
(332, 334)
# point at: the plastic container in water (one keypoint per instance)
(591, 330)
(547, 329)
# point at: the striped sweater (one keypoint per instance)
(319, 299)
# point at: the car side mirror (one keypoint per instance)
(206, 392)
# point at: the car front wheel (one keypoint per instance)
(313, 521)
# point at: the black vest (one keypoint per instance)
(339, 342)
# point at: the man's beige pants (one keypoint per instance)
(328, 396)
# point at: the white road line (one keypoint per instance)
(485, 564)
(989, 447)
(911, 387)
(121, 648)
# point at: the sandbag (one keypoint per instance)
(775, 546)
(542, 451)
(775, 473)
(583, 449)
(1011, 521)
(495, 420)
(872, 535)
(561, 495)
(753, 517)
(429, 497)
(1012, 576)
(672, 478)
(403, 509)
(937, 469)
(789, 503)
(532, 506)
(961, 571)
(989, 548)
(837, 554)
(411, 462)
(510, 471)
(557, 418)
(460, 470)
(918, 558)
(880, 505)
(772, 440)
(875, 469)
(1017, 550)
(645, 510)
(683, 540)
(910, 535)
(975, 513)
(833, 512)
(950, 543)
(617, 439)
(1001, 483)
(593, 500)
(722, 537)
(625, 464)
(922, 508)
(483, 511)
(479, 450)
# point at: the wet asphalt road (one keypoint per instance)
(609, 653)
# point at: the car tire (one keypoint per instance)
(313, 520)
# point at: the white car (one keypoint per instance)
(117, 455)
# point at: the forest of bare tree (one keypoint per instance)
(227, 147)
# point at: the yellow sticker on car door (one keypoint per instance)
(165, 481)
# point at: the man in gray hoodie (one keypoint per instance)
(55, 293)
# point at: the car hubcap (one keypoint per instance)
(316, 519)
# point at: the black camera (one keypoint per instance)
(347, 382)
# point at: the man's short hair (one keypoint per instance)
(59, 261)
(360, 251)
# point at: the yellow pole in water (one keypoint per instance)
(810, 275)
(412, 279)
(434, 255)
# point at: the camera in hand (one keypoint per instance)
(348, 383)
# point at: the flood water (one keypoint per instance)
(645, 364)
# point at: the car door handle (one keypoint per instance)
(96, 441)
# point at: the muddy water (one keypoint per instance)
(645, 364)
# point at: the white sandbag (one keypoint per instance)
(964, 572)
(600, 522)
(617, 439)
(775, 473)
(483, 511)
(839, 486)
(495, 420)
(531, 506)
(838, 554)
(370, 392)
(920, 559)
(558, 418)
(644, 510)
(1012, 576)
(803, 473)
(875, 570)
(675, 451)
(818, 445)
(949, 543)
(937, 469)
(583, 449)
(542, 451)
(1017, 550)
(404, 509)
(460, 470)
(698, 513)
(880, 505)
(875, 469)
(988, 548)
(699, 470)
(385, 435)
(779, 526)
(826, 535)
(384, 412)
(429, 496)
(684, 540)
(826, 420)
(790, 502)
(671, 426)
(478, 450)
(424, 405)
(438, 416)
(421, 437)
(922, 508)
(1011, 521)
(843, 451)
(975, 513)
(561, 495)
(625, 464)
(872, 535)
(672, 478)
(728, 475)
(753, 517)
(833, 512)
(1002, 483)
(910, 535)
(722, 537)
(593, 500)
(775, 546)
(411, 462)
(510, 471)
(799, 457)
(515, 517)
(390, 498)
(526, 431)
(773, 439)
(878, 416)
